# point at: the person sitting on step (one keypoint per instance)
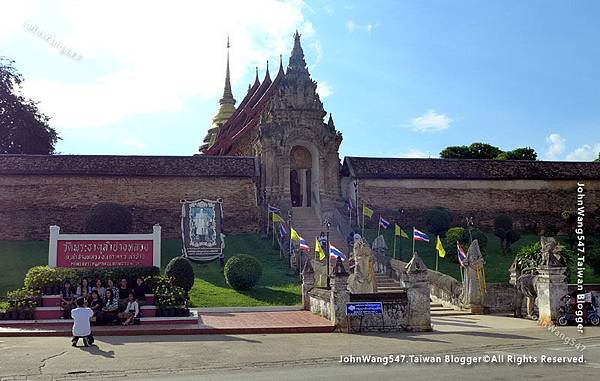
(84, 287)
(123, 293)
(99, 288)
(139, 290)
(110, 285)
(110, 310)
(81, 324)
(95, 305)
(131, 311)
(67, 299)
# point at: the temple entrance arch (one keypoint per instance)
(303, 189)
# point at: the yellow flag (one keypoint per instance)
(276, 217)
(367, 211)
(295, 236)
(319, 249)
(401, 233)
(440, 247)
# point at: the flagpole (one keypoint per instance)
(356, 191)
(379, 226)
(394, 242)
(437, 256)
(273, 240)
(400, 247)
(290, 251)
(413, 253)
(363, 221)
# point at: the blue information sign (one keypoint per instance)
(364, 308)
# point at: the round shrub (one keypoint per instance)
(40, 277)
(480, 237)
(180, 271)
(242, 272)
(438, 220)
(108, 218)
(457, 234)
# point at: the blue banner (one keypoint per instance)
(364, 308)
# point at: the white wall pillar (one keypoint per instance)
(53, 245)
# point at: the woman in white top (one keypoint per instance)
(131, 311)
(84, 288)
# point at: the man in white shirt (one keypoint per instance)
(81, 323)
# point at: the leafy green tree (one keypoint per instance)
(503, 229)
(598, 159)
(484, 151)
(526, 153)
(24, 128)
(438, 220)
(457, 234)
(456, 152)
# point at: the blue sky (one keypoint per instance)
(402, 78)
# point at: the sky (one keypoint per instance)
(401, 78)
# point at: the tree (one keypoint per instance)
(438, 221)
(484, 151)
(108, 218)
(526, 153)
(456, 152)
(24, 128)
(503, 228)
(487, 151)
(598, 159)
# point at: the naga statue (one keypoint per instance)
(363, 279)
(525, 280)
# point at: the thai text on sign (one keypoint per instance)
(103, 250)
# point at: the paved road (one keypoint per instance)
(306, 356)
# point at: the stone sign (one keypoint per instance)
(103, 250)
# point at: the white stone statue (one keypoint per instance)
(363, 279)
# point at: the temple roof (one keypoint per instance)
(246, 118)
(465, 169)
(114, 165)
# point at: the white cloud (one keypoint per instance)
(413, 153)
(431, 121)
(350, 26)
(370, 27)
(134, 142)
(556, 146)
(324, 89)
(153, 57)
(584, 153)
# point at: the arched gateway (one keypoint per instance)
(281, 122)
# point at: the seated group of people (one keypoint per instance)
(109, 304)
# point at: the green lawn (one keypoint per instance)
(496, 268)
(210, 288)
(276, 287)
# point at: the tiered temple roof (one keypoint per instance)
(246, 118)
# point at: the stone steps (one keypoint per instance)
(306, 223)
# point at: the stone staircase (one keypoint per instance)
(387, 284)
(307, 224)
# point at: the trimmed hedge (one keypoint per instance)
(40, 278)
(242, 272)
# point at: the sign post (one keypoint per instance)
(103, 250)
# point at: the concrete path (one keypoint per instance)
(307, 356)
(274, 321)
